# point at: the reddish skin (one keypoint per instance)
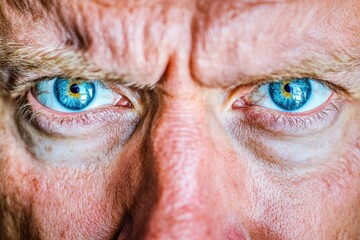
(188, 171)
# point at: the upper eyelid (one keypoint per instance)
(335, 88)
(20, 88)
(238, 93)
(133, 95)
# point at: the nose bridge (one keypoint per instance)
(181, 149)
(179, 144)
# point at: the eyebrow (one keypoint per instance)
(29, 64)
(49, 61)
(323, 66)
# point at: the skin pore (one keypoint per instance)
(189, 159)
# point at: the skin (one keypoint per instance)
(188, 160)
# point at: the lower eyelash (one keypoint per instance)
(302, 124)
(39, 119)
(53, 123)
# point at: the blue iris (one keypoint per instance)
(73, 94)
(290, 95)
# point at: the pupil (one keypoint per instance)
(287, 88)
(74, 88)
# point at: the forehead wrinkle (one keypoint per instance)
(336, 64)
(34, 7)
(63, 15)
(83, 69)
(338, 68)
(214, 23)
(73, 21)
(116, 50)
(234, 7)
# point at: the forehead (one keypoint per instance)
(218, 39)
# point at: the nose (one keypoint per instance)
(186, 205)
(189, 200)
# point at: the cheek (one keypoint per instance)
(316, 204)
(68, 202)
(60, 201)
(97, 146)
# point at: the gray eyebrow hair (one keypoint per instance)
(28, 64)
(339, 70)
(32, 61)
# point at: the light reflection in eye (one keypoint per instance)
(295, 95)
(67, 95)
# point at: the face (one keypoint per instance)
(179, 119)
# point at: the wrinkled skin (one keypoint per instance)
(182, 163)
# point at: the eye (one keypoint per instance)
(69, 95)
(294, 95)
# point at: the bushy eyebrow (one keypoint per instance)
(322, 66)
(31, 62)
(73, 61)
(49, 61)
(28, 64)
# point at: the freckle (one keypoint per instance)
(35, 183)
(48, 149)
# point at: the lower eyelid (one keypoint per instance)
(74, 124)
(290, 124)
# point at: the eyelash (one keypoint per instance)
(51, 122)
(275, 121)
(35, 114)
(301, 121)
